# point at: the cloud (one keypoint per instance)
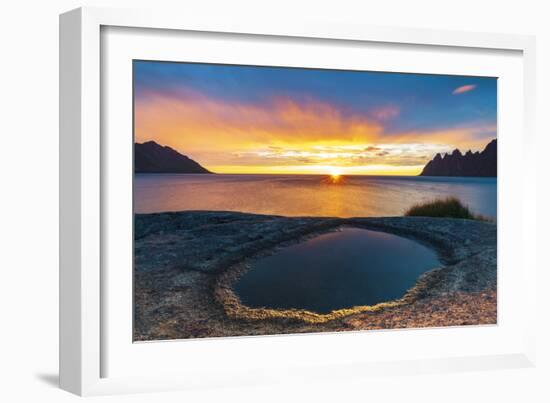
(372, 148)
(403, 155)
(191, 121)
(385, 112)
(472, 136)
(463, 89)
(282, 134)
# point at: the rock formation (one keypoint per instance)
(151, 157)
(482, 164)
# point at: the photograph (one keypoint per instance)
(271, 200)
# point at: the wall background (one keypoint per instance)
(29, 201)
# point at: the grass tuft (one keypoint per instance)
(448, 207)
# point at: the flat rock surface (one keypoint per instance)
(179, 258)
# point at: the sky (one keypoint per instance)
(251, 119)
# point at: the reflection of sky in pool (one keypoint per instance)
(336, 270)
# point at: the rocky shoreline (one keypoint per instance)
(185, 263)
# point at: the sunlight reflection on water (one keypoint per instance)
(307, 195)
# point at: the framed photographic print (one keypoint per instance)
(240, 202)
(272, 226)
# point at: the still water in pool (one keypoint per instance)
(336, 270)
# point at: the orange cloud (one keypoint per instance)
(463, 89)
(191, 122)
(281, 135)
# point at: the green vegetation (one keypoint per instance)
(447, 207)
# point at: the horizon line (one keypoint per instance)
(265, 173)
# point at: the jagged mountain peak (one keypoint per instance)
(482, 164)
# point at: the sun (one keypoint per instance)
(334, 175)
(335, 172)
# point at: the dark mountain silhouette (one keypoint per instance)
(470, 164)
(151, 157)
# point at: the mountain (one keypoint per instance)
(151, 157)
(483, 164)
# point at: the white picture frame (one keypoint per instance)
(86, 332)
